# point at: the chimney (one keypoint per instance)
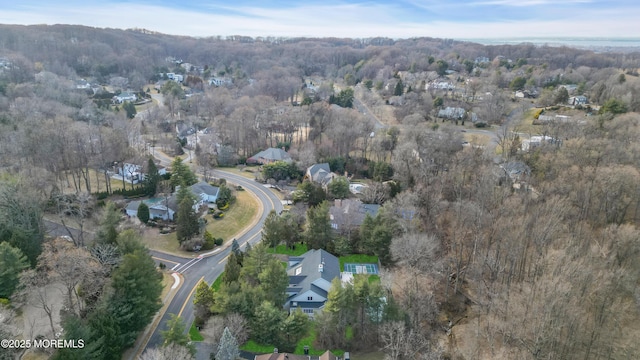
(275, 350)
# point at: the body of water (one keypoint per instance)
(583, 43)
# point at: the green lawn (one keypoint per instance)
(309, 340)
(194, 334)
(216, 284)
(357, 259)
(236, 219)
(283, 249)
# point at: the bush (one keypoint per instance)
(5, 302)
(219, 241)
(218, 214)
(239, 188)
(209, 241)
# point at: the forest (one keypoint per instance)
(508, 229)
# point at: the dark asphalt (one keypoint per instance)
(209, 267)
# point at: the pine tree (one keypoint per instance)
(107, 233)
(319, 234)
(399, 89)
(152, 180)
(227, 347)
(187, 222)
(12, 262)
(181, 174)
(231, 269)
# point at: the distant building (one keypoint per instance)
(310, 276)
(269, 156)
(578, 100)
(451, 113)
(124, 96)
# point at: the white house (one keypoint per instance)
(157, 210)
(131, 173)
(205, 192)
(124, 96)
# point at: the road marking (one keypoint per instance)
(189, 296)
(161, 259)
(176, 277)
(185, 267)
(224, 258)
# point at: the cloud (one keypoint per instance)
(341, 19)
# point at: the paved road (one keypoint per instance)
(209, 267)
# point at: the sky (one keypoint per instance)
(455, 19)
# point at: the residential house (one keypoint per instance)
(310, 276)
(217, 81)
(131, 172)
(183, 130)
(157, 210)
(83, 84)
(205, 192)
(124, 96)
(281, 356)
(570, 87)
(269, 156)
(349, 213)
(578, 100)
(451, 113)
(320, 174)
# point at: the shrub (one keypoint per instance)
(219, 241)
(209, 241)
(239, 188)
(5, 302)
(218, 214)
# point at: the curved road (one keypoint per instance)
(209, 266)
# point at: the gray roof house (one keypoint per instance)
(320, 174)
(157, 210)
(451, 113)
(270, 155)
(207, 193)
(346, 213)
(310, 276)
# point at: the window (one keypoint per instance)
(299, 270)
(309, 298)
(307, 311)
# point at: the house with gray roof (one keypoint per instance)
(205, 192)
(320, 174)
(268, 156)
(157, 210)
(348, 213)
(310, 276)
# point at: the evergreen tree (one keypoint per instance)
(319, 234)
(227, 347)
(176, 334)
(235, 247)
(181, 175)
(267, 319)
(274, 282)
(399, 88)
(12, 262)
(107, 233)
(153, 178)
(339, 187)
(130, 109)
(143, 212)
(231, 269)
(129, 242)
(187, 222)
(137, 286)
(293, 328)
(272, 230)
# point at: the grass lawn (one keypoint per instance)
(194, 334)
(309, 340)
(216, 284)
(240, 214)
(283, 249)
(357, 259)
(97, 183)
(374, 279)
